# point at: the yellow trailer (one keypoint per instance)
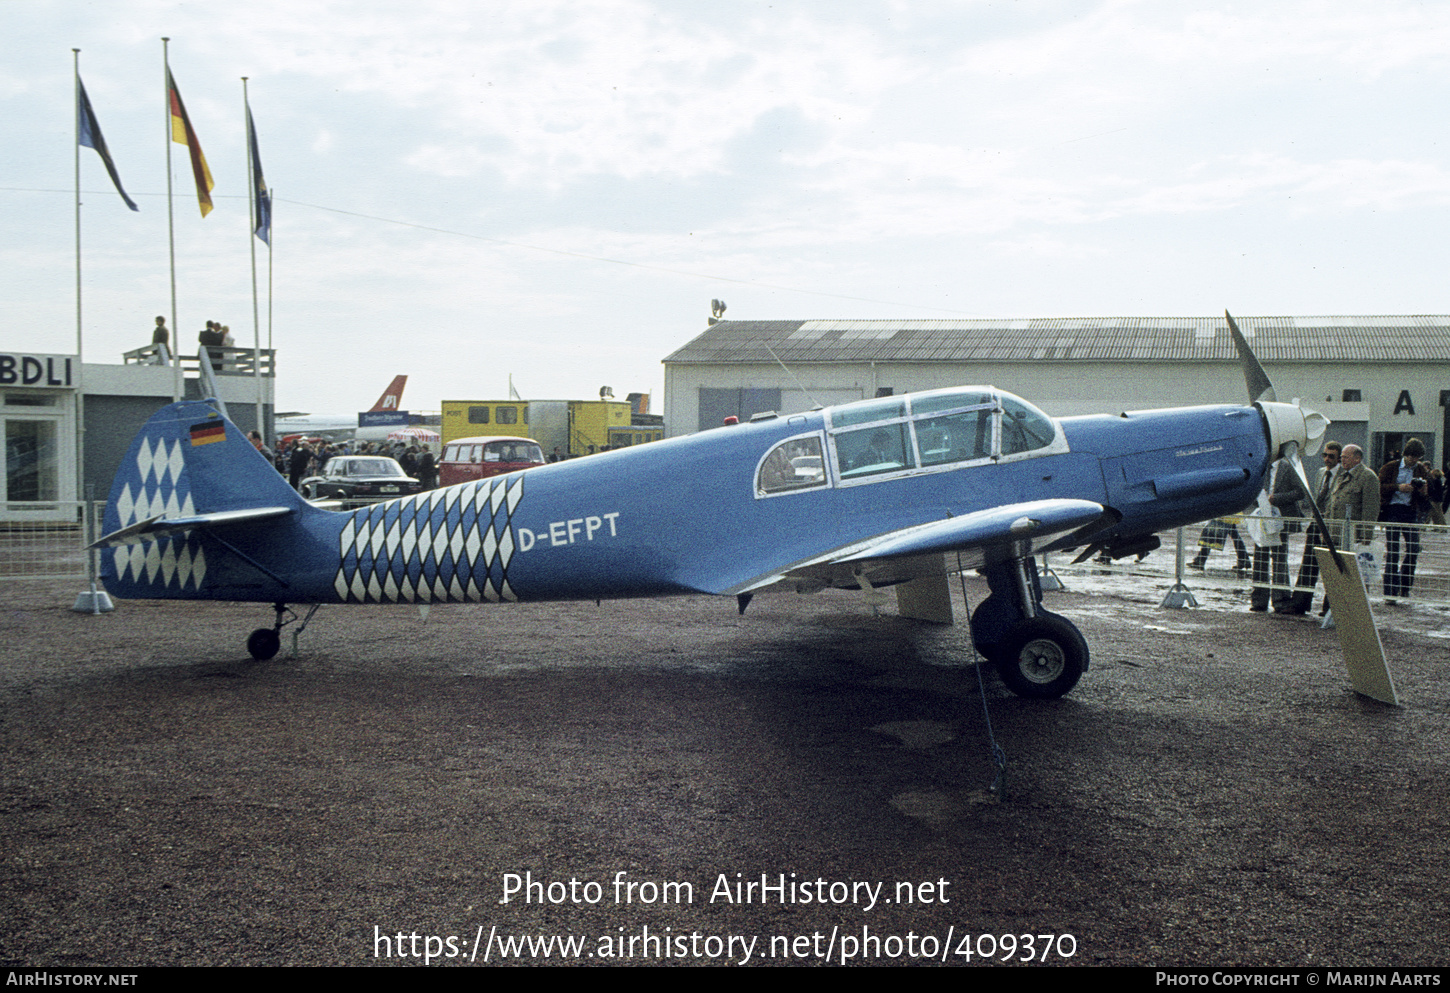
(575, 427)
(468, 418)
(591, 421)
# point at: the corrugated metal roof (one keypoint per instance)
(1421, 338)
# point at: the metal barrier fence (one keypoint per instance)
(1210, 557)
(52, 545)
(49, 548)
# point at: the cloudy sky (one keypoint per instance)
(468, 189)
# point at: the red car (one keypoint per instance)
(469, 459)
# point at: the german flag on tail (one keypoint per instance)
(207, 433)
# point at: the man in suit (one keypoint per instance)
(1303, 597)
(161, 337)
(211, 336)
(301, 458)
(1355, 493)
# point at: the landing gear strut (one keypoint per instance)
(1037, 653)
(264, 643)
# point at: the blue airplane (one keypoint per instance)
(901, 490)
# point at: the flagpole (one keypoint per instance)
(76, 67)
(80, 400)
(171, 228)
(271, 198)
(92, 600)
(252, 246)
(271, 349)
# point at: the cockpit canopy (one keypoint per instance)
(912, 433)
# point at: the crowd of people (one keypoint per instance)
(214, 334)
(1405, 494)
(302, 459)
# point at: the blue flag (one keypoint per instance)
(262, 213)
(90, 136)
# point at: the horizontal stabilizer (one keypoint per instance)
(156, 527)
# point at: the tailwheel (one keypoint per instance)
(1042, 657)
(264, 644)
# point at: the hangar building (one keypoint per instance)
(1380, 379)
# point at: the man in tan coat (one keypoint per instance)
(1357, 491)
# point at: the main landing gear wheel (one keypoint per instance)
(263, 644)
(1042, 657)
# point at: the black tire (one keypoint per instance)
(310, 491)
(263, 644)
(1042, 658)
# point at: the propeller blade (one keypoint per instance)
(1285, 419)
(1291, 452)
(1254, 376)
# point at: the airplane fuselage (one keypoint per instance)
(696, 514)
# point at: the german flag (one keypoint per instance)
(183, 134)
(207, 433)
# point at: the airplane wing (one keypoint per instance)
(998, 533)
(156, 527)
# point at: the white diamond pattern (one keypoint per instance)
(177, 462)
(125, 505)
(451, 544)
(143, 461)
(161, 489)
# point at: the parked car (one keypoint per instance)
(468, 459)
(360, 477)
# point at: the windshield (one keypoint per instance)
(370, 467)
(513, 451)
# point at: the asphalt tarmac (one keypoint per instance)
(667, 781)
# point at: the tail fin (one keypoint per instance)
(392, 398)
(188, 470)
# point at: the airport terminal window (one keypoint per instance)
(477, 415)
(508, 415)
(1024, 429)
(792, 465)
